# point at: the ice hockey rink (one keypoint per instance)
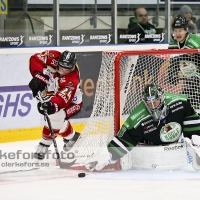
(50, 183)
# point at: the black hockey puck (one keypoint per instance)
(81, 175)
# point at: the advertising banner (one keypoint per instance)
(86, 37)
(78, 37)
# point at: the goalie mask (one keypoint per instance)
(66, 62)
(154, 101)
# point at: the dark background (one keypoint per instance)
(89, 65)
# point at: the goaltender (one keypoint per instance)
(161, 119)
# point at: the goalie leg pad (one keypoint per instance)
(196, 162)
(194, 144)
(172, 156)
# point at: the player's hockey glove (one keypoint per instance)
(38, 83)
(49, 107)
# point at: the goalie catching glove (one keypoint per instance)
(99, 160)
(38, 83)
(49, 107)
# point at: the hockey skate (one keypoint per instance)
(68, 144)
(41, 151)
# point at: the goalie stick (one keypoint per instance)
(62, 165)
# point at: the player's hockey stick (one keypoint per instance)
(189, 69)
(62, 165)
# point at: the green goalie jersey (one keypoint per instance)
(140, 126)
(192, 42)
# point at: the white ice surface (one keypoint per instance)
(53, 183)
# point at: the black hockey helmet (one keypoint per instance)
(180, 22)
(67, 60)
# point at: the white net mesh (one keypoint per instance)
(100, 127)
(135, 71)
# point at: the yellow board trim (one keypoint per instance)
(28, 133)
(4, 7)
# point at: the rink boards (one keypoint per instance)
(19, 118)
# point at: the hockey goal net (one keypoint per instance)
(120, 84)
